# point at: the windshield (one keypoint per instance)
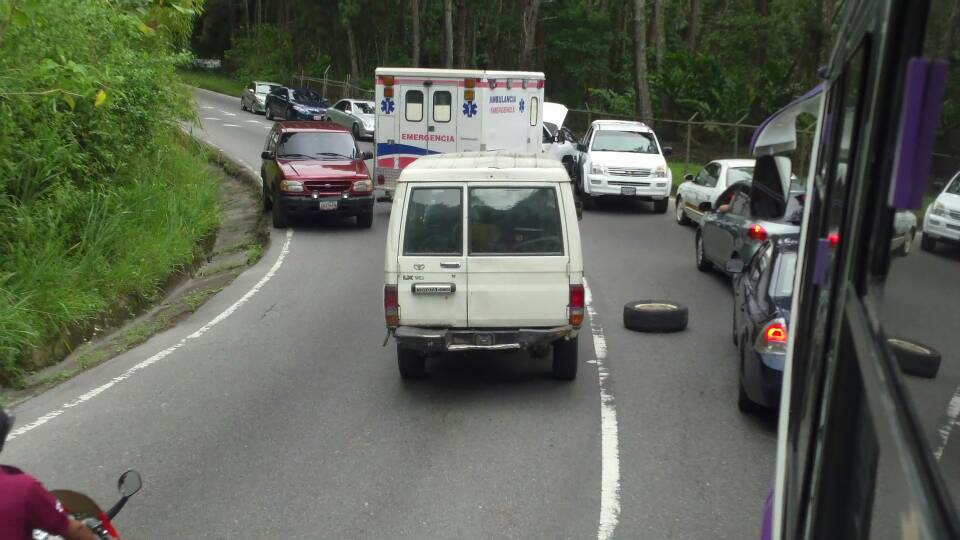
(265, 88)
(305, 95)
(739, 174)
(364, 107)
(551, 128)
(308, 145)
(954, 187)
(624, 141)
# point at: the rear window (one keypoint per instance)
(434, 222)
(781, 286)
(739, 174)
(515, 221)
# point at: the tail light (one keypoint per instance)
(757, 232)
(381, 180)
(361, 187)
(833, 239)
(391, 306)
(575, 308)
(773, 337)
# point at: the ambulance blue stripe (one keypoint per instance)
(385, 149)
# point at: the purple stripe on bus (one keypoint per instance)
(820, 263)
(766, 526)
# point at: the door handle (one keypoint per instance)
(449, 265)
(431, 128)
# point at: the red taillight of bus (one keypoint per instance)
(391, 306)
(576, 305)
(833, 239)
(757, 232)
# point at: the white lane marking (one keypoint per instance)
(609, 436)
(210, 118)
(266, 127)
(230, 125)
(953, 411)
(206, 107)
(162, 354)
(227, 113)
(254, 122)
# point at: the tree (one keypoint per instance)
(660, 36)
(448, 33)
(348, 9)
(531, 11)
(461, 34)
(693, 33)
(415, 15)
(642, 87)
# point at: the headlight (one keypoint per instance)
(596, 168)
(293, 186)
(362, 186)
(939, 209)
(660, 172)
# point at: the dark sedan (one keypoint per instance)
(295, 104)
(762, 293)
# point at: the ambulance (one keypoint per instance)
(422, 112)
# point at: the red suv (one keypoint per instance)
(313, 168)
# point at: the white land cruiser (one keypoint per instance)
(624, 159)
(483, 253)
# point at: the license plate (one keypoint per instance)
(317, 117)
(327, 205)
(628, 191)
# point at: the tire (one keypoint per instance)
(355, 130)
(267, 113)
(703, 264)
(927, 243)
(658, 316)
(660, 207)
(365, 220)
(565, 359)
(243, 106)
(412, 364)
(907, 243)
(733, 334)
(589, 202)
(682, 218)
(280, 219)
(265, 199)
(568, 165)
(914, 358)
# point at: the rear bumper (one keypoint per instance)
(350, 206)
(438, 340)
(653, 189)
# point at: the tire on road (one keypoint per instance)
(660, 207)
(411, 363)
(280, 219)
(266, 113)
(703, 264)
(365, 220)
(356, 131)
(682, 218)
(565, 359)
(927, 243)
(914, 358)
(657, 316)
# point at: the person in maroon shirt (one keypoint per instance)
(26, 505)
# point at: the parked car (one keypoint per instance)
(254, 96)
(558, 141)
(483, 254)
(313, 168)
(941, 222)
(762, 292)
(623, 159)
(707, 185)
(295, 104)
(355, 115)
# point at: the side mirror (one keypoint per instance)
(734, 266)
(667, 151)
(130, 483)
(688, 178)
(915, 359)
(705, 207)
(266, 155)
(581, 147)
(366, 155)
(579, 206)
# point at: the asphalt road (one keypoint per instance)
(274, 412)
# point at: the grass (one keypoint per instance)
(216, 81)
(79, 251)
(195, 299)
(679, 169)
(254, 252)
(91, 358)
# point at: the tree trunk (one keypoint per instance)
(354, 55)
(461, 34)
(693, 32)
(531, 11)
(448, 33)
(415, 13)
(953, 21)
(642, 88)
(660, 37)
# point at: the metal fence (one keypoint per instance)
(332, 89)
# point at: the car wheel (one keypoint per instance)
(280, 219)
(657, 316)
(356, 132)
(907, 243)
(589, 201)
(243, 105)
(267, 113)
(568, 165)
(682, 218)
(660, 207)
(703, 264)
(915, 359)
(927, 243)
(365, 220)
(734, 332)
(411, 363)
(565, 359)
(744, 403)
(264, 196)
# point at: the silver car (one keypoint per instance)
(355, 115)
(255, 95)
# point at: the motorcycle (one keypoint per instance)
(84, 509)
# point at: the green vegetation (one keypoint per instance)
(101, 196)
(679, 169)
(196, 298)
(254, 252)
(214, 80)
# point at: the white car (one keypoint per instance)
(355, 115)
(707, 185)
(255, 95)
(483, 254)
(558, 141)
(623, 159)
(941, 222)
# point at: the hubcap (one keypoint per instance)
(699, 249)
(679, 210)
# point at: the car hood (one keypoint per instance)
(555, 113)
(311, 104)
(949, 200)
(627, 159)
(322, 168)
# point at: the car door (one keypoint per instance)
(432, 263)
(734, 225)
(518, 255)
(413, 126)
(755, 305)
(707, 189)
(335, 113)
(442, 125)
(268, 167)
(714, 226)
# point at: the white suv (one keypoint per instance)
(942, 219)
(483, 253)
(624, 159)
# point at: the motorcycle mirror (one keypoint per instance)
(130, 483)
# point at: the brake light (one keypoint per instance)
(361, 187)
(757, 232)
(469, 83)
(833, 239)
(391, 306)
(773, 337)
(388, 91)
(577, 302)
(775, 333)
(388, 80)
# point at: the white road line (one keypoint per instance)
(227, 113)
(210, 118)
(609, 437)
(230, 125)
(953, 411)
(206, 107)
(254, 122)
(162, 354)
